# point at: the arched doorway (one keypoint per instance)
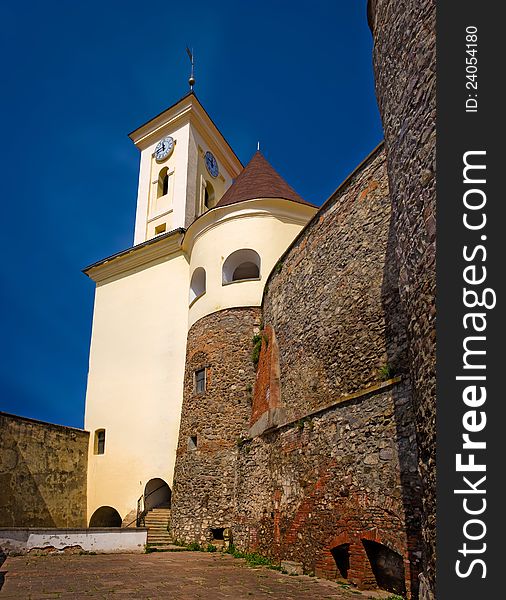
(156, 493)
(387, 566)
(105, 516)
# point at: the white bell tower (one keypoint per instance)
(186, 167)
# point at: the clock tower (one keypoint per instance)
(207, 234)
(186, 166)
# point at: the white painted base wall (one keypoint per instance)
(107, 540)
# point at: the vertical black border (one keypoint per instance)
(459, 131)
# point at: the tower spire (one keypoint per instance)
(191, 79)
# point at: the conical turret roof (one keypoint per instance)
(259, 180)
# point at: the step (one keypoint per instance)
(167, 548)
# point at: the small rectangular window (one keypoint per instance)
(200, 381)
(160, 228)
(100, 441)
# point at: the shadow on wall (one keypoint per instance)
(397, 364)
(21, 503)
(2, 572)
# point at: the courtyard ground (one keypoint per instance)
(178, 575)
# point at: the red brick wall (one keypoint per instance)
(266, 392)
(338, 476)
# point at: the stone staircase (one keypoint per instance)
(157, 521)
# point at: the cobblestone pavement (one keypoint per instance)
(178, 575)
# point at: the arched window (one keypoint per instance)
(241, 265)
(209, 201)
(99, 442)
(197, 284)
(163, 182)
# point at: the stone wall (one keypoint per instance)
(405, 71)
(333, 305)
(337, 468)
(204, 480)
(42, 474)
(342, 476)
(327, 476)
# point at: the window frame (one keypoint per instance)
(99, 442)
(196, 381)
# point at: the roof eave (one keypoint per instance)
(123, 253)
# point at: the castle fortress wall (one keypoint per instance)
(204, 481)
(333, 305)
(342, 469)
(405, 72)
(42, 474)
(333, 479)
(330, 458)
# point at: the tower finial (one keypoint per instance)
(191, 79)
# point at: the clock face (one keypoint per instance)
(164, 148)
(211, 164)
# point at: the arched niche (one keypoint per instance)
(197, 284)
(105, 516)
(241, 265)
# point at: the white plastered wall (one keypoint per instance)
(135, 381)
(267, 226)
(146, 216)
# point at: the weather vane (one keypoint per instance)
(191, 79)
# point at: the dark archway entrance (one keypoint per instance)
(105, 516)
(341, 555)
(156, 493)
(387, 566)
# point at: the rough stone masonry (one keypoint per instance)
(312, 458)
(405, 71)
(42, 474)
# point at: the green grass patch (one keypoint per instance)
(253, 559)
(195, 547)
(385, 373)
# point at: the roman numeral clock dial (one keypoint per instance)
(211, 164)
(164, 148)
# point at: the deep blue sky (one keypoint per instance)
(78, 76)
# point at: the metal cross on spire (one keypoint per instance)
(191, 79)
